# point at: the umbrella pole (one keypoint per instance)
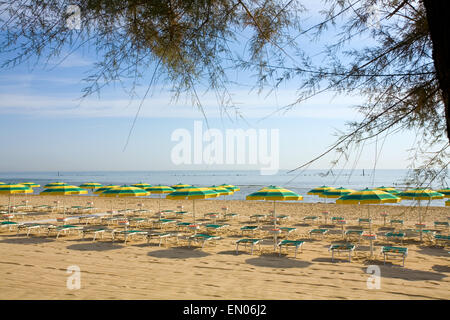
(420, 222)
(9, 204)
(193, 208)
(274, 215)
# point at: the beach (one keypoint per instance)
(36, 267)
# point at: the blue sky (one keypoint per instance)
(47, 128)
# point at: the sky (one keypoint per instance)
(45, 126)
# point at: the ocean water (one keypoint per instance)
(248, 181)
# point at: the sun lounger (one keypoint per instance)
(230, 216)
(247, 241)
(32, 226)
(351, 234)
(396, 222)
(136, 221)
(251, 229)
(287, 230)
(310, 218)
(183, 225)
(290, 243)
(66, 229)
(338, 248)
(127, 234)
(394, 252)
(216, 227)
(159, 223)
(161, 236)
(441, 224)
(9, 224)
(95, 231)
(395, 236)
(203, 238)
(364, 221)
(258, 217)
(321, 232)
(86, 219)
(181, 213)
(336, 219)
(444, 239)
(278, 218)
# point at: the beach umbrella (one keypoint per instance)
(368, 196)
(104, 188)
(273, 193)
(91, 185)
(12, 189)
(318, 191)
(141, 185)
(55, 184)
(447, 203)
(63, 190)
(222, 190)
(159, 189)
(335, 193)
(230, 186)
(30, 184)
(124, 191)
(420, 194)
(445, 192)
(181, 186)
(388, 190)
(192, 193)
(2, 183)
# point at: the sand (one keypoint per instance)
(37, 267)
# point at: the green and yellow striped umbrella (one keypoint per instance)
(222, 190)
(273, 193)
(445, 192)
(319, 190)
(141, 185)
(31, 184)
(91, 185)
(335, 193)
(368, 196)
(159, 189)
(12, 189)
(447, 203)
(2, 183)
(55, 184)
(124, 191)
(230, 186)
(388, 190)
(192, 193)
(104, 188)
(63, 191)
(420, 194)
(181, 186)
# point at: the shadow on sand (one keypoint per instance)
(13, 239)
(272, 260)
(183, 252)
(95, 246)
(396, 271)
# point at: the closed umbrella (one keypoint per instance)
(12, 189)
(368, 196)
(420, 194)
(192, 193)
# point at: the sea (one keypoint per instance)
(247, 180)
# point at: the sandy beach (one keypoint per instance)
(35, 267)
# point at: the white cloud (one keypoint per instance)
(159, 106)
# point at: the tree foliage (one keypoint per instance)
(191, 44)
